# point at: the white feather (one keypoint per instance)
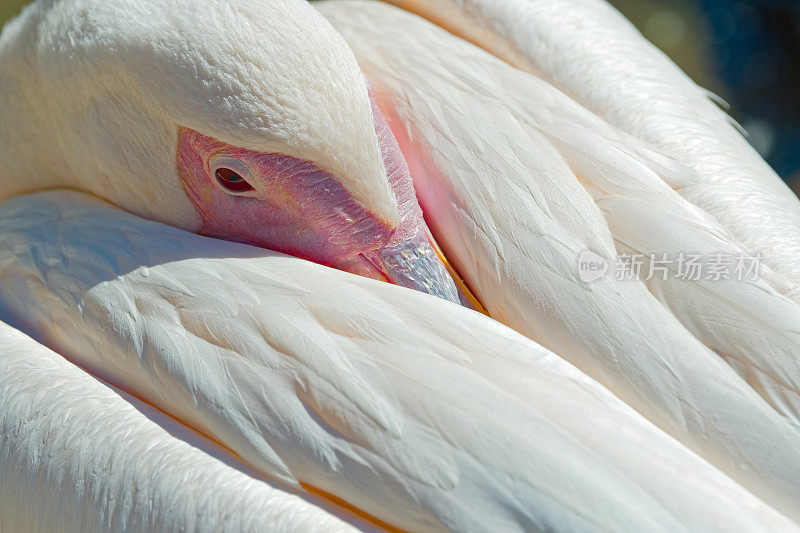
(505, 164)
(425, 414)
(94, 94)
(79, 455)
(592, 53)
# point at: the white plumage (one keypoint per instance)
(254, 380)
(545, 180)
(419, 412)
(79, 455)
(95, 94)
(592, 53)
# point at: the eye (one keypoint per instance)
(230, 180)
(233, 175)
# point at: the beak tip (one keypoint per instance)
(416, 263)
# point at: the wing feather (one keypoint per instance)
(517, 180)
(77, 454)
(592, 53)
(419, 412)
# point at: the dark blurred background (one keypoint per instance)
(746, 51)
(9, 8)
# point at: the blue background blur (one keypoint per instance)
(747, 51)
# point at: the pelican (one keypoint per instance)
(588, 50)
(331, 400)
(725, 198)
(287, 159)
(514, 207)
(336, 385)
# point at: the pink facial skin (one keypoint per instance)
(294, 208)
(297, 208)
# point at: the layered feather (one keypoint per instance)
(422, 413)
(517, 180)
(79, 455)
(591, 52)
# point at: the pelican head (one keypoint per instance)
(247, 120)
